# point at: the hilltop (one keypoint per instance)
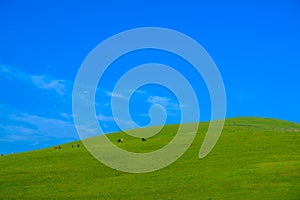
(255, 158)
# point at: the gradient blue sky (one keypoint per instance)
(255, 44)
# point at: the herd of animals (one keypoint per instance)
(121, 140)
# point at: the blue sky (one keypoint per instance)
(255, 44)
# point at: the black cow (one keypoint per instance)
(120, 140)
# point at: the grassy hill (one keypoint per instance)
(255, 158)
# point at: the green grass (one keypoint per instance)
(255, 158)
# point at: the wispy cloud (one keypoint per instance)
(67, 116)
(106, 120)
(163, 101)
(40, 81)
(20, 126)
(115, 95)
(8, 73)
(38, 125)
(45, 83)
(138, 91)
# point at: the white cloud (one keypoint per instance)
(104, 118)
(24, 131)
(12, 130)
(40, 81)
(164, 101)
(67, 116)
(8, 73)
(43, 82)
(137, 91)
(30, 126)
(116, 95)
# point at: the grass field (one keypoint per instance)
(255, 158)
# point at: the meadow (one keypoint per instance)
(255, 158)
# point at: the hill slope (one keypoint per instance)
(254, 158)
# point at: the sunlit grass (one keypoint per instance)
(255, 158)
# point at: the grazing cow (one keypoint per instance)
(120, 140)
(59, 147)
(143, 139)
(55, 147)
